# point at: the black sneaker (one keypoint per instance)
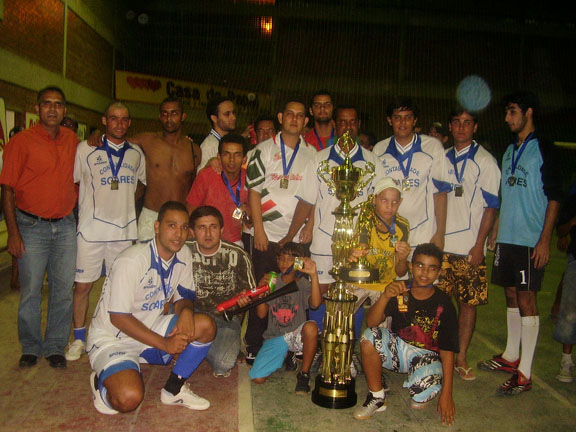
(316, 361)
(302, 383)
(517, 384)
(27, 360)
(250, 358)
(370, 406)
(290, 362)
(57, 361)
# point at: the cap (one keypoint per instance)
(385, 183)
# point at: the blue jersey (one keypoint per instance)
(526, 192)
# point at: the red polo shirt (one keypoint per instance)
(40, 170)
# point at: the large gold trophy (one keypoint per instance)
(335, 387)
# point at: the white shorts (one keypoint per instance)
(90, 256)
(146, 225)
(363, 294)
(109, 350)
(323, 265)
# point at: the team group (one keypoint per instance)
(218, 218)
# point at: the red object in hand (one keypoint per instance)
(248, 293)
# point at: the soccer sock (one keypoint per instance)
(566, 358)
(530, 328)
(80, 333)
(378, 394)
(103, 393)
(186, 364)
(514, 321)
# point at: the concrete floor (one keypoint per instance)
(44, 399)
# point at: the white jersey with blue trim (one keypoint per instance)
(135, 287)
(427, 176)
(318, 193)
(479, 179)
(105, 214)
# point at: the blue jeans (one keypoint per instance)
(49, 246)
(226, 346)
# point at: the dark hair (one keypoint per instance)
(205, 211)
(172, 99)
(402, 104)
(295, 100)
(321, 92)
(458, 111)
(15, 130)
(233, 138)
(45, 90)
(371, 137)
(265, 117)
(428, 249)
(344, 107)
(525, 99)
(213, 105)
(440, 128)
(171, 205)
(294, 249)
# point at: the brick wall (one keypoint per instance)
(89, 58)
(34, 29)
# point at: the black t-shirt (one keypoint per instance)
(431, 324)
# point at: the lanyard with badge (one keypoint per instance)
(114, 183)
(514, 163)
(459, 187)
(237, 214)
(391, 229)
(166, 275)
(286, 168)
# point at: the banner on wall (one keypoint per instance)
(31, 119)
(3, 125)
(137, 87)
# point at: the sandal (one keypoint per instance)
(467, 374)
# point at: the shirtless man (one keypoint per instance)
(171, 163)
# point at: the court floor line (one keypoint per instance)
(245, 409)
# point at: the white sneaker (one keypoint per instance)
(185, 397)
(99, 404)
(565, 374)
(75, 350)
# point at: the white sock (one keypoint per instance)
(530, 328)
(566, 359)
(514, 322)
(378, 394)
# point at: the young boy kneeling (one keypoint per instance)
(421, 342)
(288, 328)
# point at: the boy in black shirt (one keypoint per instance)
(421, 342)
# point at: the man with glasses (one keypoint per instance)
(322, 133)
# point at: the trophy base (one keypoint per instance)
(359, 274)
(334, 396)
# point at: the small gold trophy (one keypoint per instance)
(335, 387)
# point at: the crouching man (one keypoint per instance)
(129, 326)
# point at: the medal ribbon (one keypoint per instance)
(286, 169)
(514, 162)
(408, 155)
(328, 143)
(460, 176)
(235, 197)
(166, 275)
(392, 227)
(111, 152)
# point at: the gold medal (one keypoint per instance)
(458, 190)
(114, 184)
(237, 214)
(284, 183)
(393, 240)
(511, 180)
(402, 302)
(406, 184)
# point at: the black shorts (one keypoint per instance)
(513, 267)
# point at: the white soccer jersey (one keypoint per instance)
(319, 194)
(264, 172)
(427, 175)
(135, 287)
(480, 183)
(106, 214)
(209, 148)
